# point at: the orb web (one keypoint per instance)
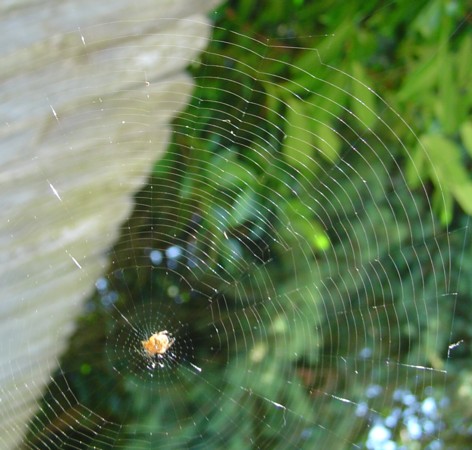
(288, 242)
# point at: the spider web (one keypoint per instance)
(281, 243)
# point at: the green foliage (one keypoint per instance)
(301, 110)
(435, 93)
(312, 102)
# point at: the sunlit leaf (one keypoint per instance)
(363, 99)
(448, 170)
(327, 142)
(445, 160)
(415, 167)
(298, 150)
(312, 232)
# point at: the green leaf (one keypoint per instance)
(422, 79)
(443, 205)
(445, 160)
(448, 99)
(310, 70)
(273, 101)
(447, 170)
(327, 103)
(428, 21)
(329, 48)
(297, 149)
(244, 207)
(466, 135)
(228, 172)
(363, 98)
(312, 232)
(415, 167)
(463, 195)
(231, 254)
(327, 142)
(464, 61)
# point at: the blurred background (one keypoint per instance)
(304, 238)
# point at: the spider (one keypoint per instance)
(157, 344)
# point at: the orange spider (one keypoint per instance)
(158, 343)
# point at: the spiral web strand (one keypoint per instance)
(281, 245)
